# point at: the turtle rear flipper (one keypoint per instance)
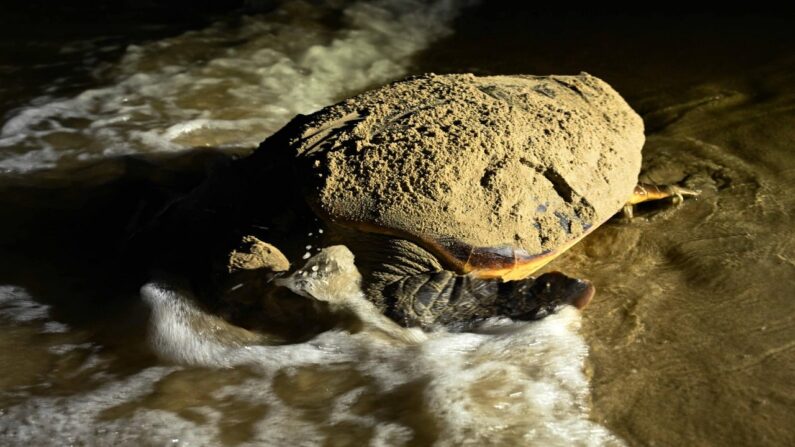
(645, 192)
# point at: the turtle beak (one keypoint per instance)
(587, 291)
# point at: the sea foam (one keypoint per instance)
(229, 85)
(505, 383)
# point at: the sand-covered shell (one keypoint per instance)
(518, 165)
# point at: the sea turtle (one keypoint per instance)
(451, 190)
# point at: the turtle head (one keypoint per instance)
(544, 295)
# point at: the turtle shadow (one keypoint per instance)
(84, 239)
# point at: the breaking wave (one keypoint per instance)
(229, 85)
(504, 383)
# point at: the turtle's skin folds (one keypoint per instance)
(413, 288)
(449, 190)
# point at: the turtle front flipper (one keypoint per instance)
(448, 299)
(646, 192)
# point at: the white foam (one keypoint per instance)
(54, 327)
(46, 157)
(173, 335)
(331, 277)
(228, 85)
(507, 383)
(17, 305)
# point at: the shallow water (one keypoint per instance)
(227, 85)
(688, 341)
